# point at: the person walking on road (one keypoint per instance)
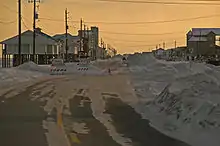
(109, 71)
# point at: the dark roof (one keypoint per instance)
(62, 36)
(31, 32)
(46, 35)
(204, 31)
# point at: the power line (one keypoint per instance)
(143, 22)
(58, 20)
(121, 33)
(149, 22)
(14, 11)
(139, 41)
(152, 44)
(7, 7)
(187, 2)
(9, 22)
(159, 2)
(24, 24)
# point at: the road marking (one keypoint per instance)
(74, 138)
(59, 118)
(60, 124)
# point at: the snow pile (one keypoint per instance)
(10, 76)
(25, 72)
(31, 66)
(180, 99)
(115, 64)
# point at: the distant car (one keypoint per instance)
(58, 67)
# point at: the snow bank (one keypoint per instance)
(181, 99)
(115, 64)
(10, 76)
(31, 66)
(25, 72)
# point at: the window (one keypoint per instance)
(49, 49)
(25, 49)
(217, 40)
(55, 50)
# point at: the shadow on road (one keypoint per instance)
(131, 125)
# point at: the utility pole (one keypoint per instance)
(34, 29)
(84, 39)
(164, 45)
(35, 16)
(84, 32)
(66, 37)
(175, 44)
(88, 42)
(101, 43)
(19, 31)
(80, 36)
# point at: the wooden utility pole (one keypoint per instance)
(84, 32)
(35, 16)
(175, 44)
(164, 45)
(88, 37)
(34, 30)
(19, 32)
(84, 38)
(66, 34)
(80, 36)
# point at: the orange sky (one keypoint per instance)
(113, 12)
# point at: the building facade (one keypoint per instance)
(72, 46)
(203, 42)
(45, 48)
(91, 37)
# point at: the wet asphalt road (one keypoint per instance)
(21, 123)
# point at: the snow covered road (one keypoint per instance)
(76, 110)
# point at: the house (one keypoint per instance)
(160, 53)
(46, 48)
(72, 43)
(203, 42)
(176, 53)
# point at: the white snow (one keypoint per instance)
(25, 72)
(30, 71)
(180, 99)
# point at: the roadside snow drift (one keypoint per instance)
(25, 72)
(180, 99)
